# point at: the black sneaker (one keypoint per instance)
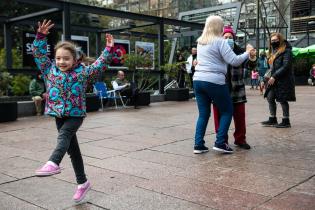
(272, 121)
(284, 124)
(200, 149)
(243, 146)
(225, 148)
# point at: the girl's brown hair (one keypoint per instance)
(67, 46)
(280, 49)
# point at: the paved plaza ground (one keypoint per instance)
(143, 159)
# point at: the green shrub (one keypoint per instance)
(5, 82)
(20, 85)
(171, 69)
(16, 58)
(133, 60)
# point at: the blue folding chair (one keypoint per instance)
(101, 90)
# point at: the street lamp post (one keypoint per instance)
(308, 31)
(257, 28)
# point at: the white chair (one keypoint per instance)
(117, 95)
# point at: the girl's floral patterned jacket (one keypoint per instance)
(66, 90)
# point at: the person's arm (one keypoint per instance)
(40, 46)
(287, 63)
(229, 56)
(102, 62)
(117, 87)
(40, 53)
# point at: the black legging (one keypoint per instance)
(131, 92)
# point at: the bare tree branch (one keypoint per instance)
(266, 15)
(281, 15)
(283, 23)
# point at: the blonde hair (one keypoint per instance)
(87, 60)
(272, 55)
(67, 46)
(213, 29)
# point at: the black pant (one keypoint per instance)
(67, 142)
(271, 97)
(131, 92)
(181, 79)
(191, 75)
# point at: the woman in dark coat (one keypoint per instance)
(280, 87)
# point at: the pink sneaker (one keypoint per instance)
(81, 191)
(48, 169)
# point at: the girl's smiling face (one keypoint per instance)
(64, 59)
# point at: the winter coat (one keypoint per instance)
(235, 79)
(37, 87)
(282, 71)
(66, 90)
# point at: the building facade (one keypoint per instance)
(303, 22)
(293, 18)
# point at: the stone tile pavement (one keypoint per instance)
(143, 159)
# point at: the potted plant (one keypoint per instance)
(172, 91)
(141, 76)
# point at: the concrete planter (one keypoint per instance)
(8, 111)
(92, 103)
(144, 99)
(177, 94)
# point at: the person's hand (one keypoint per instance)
(271, 81)
(109, 40)
(195, 62)
(45, 26)
(249, 48)
(45, 96)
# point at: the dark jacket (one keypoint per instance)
(37, 87)
(282, 71)
(235, 79)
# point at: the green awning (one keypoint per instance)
(306, 52)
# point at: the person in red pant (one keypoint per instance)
(235, 79)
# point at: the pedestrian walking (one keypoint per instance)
(254, 79)
(191, 64)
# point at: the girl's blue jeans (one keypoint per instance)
(207, 93)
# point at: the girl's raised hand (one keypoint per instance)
(109, 40)
(45, 26)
